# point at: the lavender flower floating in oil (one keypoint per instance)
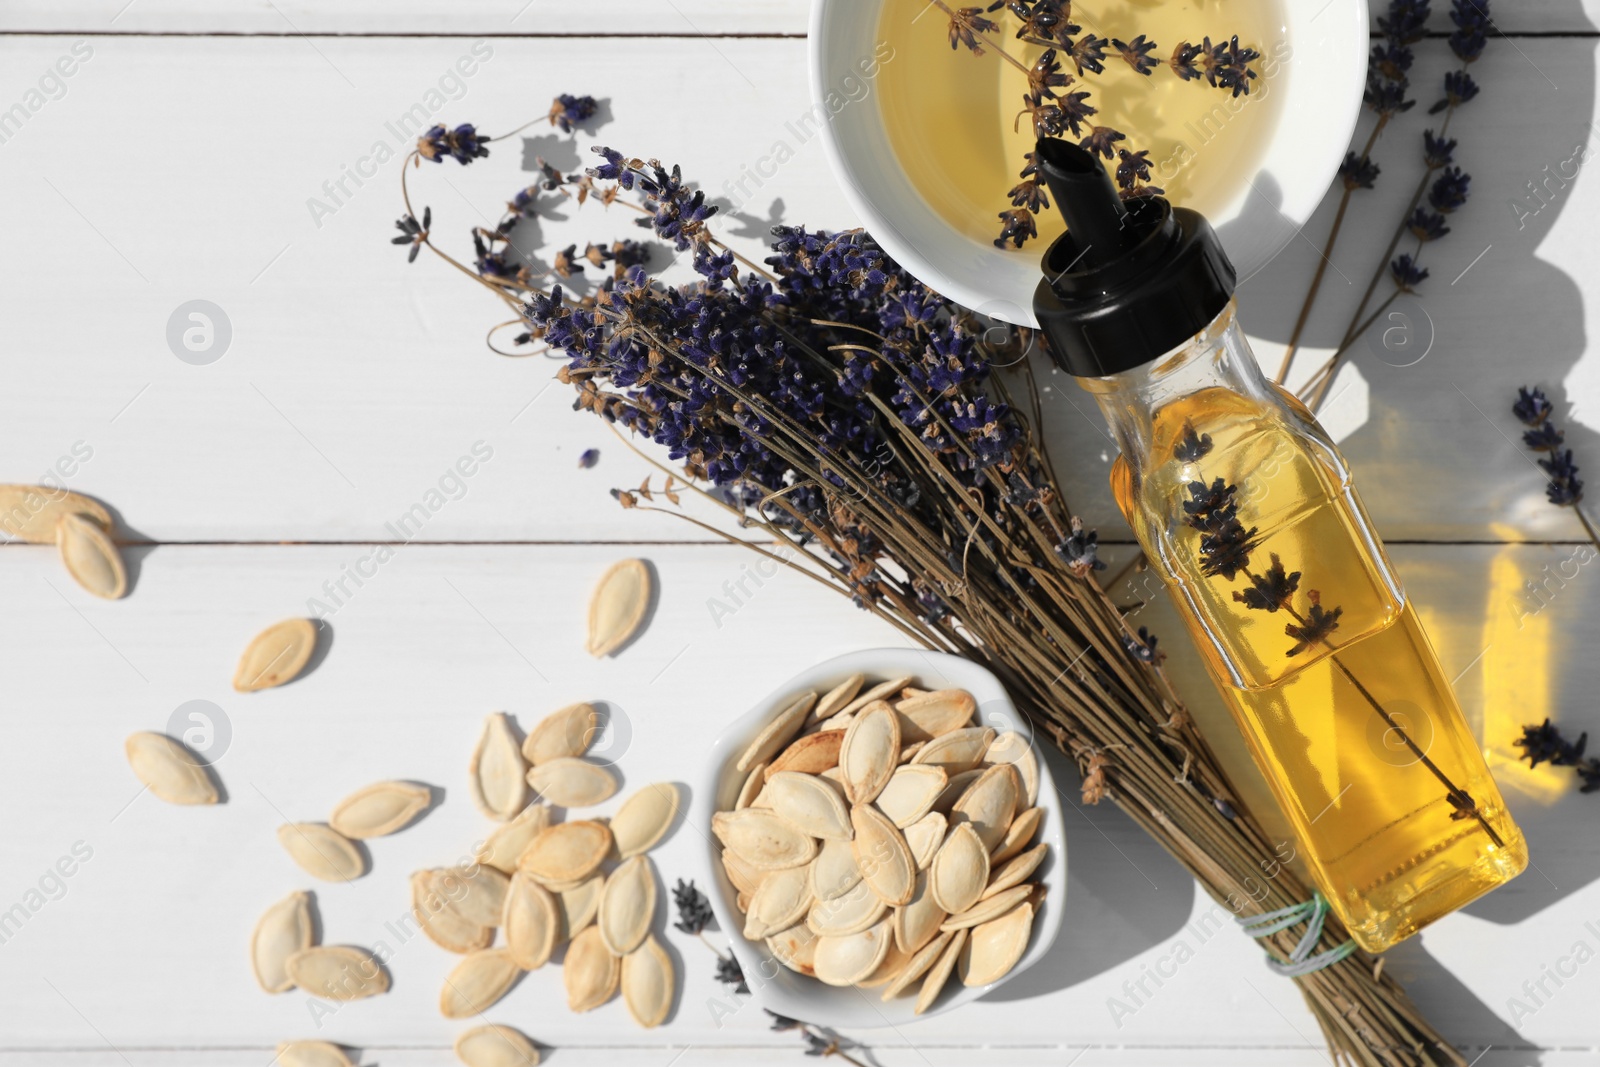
(1227, 550)
(837, 407)
(1054, 111)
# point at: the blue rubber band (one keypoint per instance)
(1300, 962)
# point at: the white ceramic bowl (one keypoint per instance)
(1323, 77)
(781, 990)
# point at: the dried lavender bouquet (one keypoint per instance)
(850, 416)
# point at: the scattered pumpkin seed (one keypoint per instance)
(311, 1054)
(322, 852)
(617, 606)
(563, 734)
(590, 972)
(496, 772)
(31, 512)
(644, 818)
(91, 557)
(283, 929)
(338, 972)
(169, 769)
(477, 983)
(529, 922)
(627, 905)
(496, 1045)
(275, 655)
(379, 809)
(444, 925)
(647, 983)
(573, 783)
(566, 852)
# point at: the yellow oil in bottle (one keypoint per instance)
(951, 116)
(1357, 732)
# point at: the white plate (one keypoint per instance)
(1324, 77)
(781, 990)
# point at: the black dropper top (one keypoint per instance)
(1129, 280)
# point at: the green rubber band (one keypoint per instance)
(1300, 962)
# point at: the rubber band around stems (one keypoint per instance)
(1300, 962)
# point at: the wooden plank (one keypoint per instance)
(354, 382)
(144, 948)
(541, 16)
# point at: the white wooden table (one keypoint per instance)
(176, 164)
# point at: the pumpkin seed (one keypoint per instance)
(283, 929)
(839, 723)
(912, 691)
(627, 905)
(1011, 747)
(573, 783)
(957, 786)
(647, 984)
(1016, 871)
(988, 804)
(618, 605)
(924, 837)
(958, 750)
(909, 751)
(578, 906)
(529, 922)
(477, 983)
(480, 897)
(337, 972)
(881, 691)
(917, 966)
(777, 733)
(745, 878)
(322, 852)
(910, 793)
(763, 839)
(918, 921)
(780, 902)
(31, 512)
(835, 699)
(994, 947)
(867, 755)
(849, 913)
(275, 655)
(563, 734)
(644, 817)
(752, 786)
(842, 961)
(91, 557)
(495, 774)
(379, 809)
(930, 715)
(881, 853)
(311, 1054)
(892, 963)
(796, 949)
(960, 871)
(810, 804)
(444, 925)
(834, 871)
(1018, 834)
(939, 973)
(169, 769)
(566, 852)
(590, 972)
(496, 1045)
(506, 843)
(809, 754)
(989, 908)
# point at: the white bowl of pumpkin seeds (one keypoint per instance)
(885, 841)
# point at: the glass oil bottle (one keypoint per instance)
(1247, 510)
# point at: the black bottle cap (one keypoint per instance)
(1129, 280)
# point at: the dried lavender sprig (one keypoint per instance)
(1564, 488)
(1388, 82)
(1445, 192)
